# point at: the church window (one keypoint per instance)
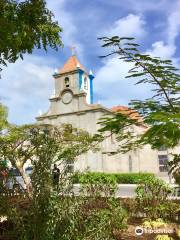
(163, 163)
(66, 81)
(85, 83)
(130, 164)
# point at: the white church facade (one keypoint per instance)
(72, 103)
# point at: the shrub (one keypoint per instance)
(101, 218)
(152, 199)
(118, 178)
(132, 178)
(98, 185)
(96, 216)
(55, 213)
(129, 204)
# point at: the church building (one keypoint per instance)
(72, 103)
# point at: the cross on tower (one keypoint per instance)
(73, 50)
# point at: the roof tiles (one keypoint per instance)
(133, 114)
(72, 64)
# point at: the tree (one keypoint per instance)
(3, 117)
(25, 25)
(43, 143)
(56, 213)
(161, 113)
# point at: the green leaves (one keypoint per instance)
(44, 143)
(161, 113)
(56, 213)
(153, 70)
(24, 26)
(152, 199)
(3, 117)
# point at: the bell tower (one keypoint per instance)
(74, 77)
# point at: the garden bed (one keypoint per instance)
(128, 234)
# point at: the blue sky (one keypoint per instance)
(26, 85)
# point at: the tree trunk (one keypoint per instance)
(27, 180)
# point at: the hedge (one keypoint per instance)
(119, 178)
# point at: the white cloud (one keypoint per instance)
(160, 49)
(173, 29)
(65, 20)
(168, 49)
(112, 88)
(111, 77)
(131, 25)
(26, 86)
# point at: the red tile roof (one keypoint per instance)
(72, 64)
(127, 111)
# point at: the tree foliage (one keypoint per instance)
(152, 199)
(56, 213)
(36, 143)
(161, 112)
(25, 25)
(3, 117)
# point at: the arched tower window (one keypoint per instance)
(85, 83)
(66, 81)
